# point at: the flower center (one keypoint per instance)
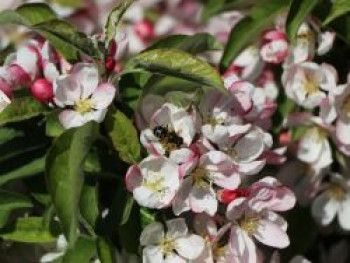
(249, 224)
(310, 86)
(219, 252)
(318, 134)
(336, 192)
(199, 175)
(154, 182)
(346, 106)
(83, 106)
(167, 246)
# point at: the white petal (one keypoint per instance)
(103, 95)
(344, 213)
(152, 234)
(176, 228)
(189, 247)
(324, 208)
(152, 255)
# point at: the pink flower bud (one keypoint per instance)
(42, 90)
(5, 88)
(18, 76)
(144, 30)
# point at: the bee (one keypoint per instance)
(167, 136)
(160, 132)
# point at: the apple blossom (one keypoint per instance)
(170, 133)
(42, 90)
(174, 245)
(221, 116)
(333, 201)
(82, 96)
(198, 189)
(154, 181)
(275, 48)
(306, 83)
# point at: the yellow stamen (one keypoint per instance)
(84, 106)
(167, 246)
(249, 224)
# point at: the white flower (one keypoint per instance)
(176, 245)
(333, 201)
(4, 101)
(154, 182)
(170, 133)
(82, 96)
(306, 83)
(213, 169)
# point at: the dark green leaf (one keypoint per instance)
(82, 252)
(176, 63)
(192, 44)
(27, 170)
(64, 172)
(106, 251)
(89, 203)
(298, 12)
(7, 134)
(21, 109)
(11, 200)
(247, 30)
(124, 137)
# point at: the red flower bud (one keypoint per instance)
(144, 29)
(42, 90)
(227, 196)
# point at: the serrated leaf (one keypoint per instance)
(31, 230)
(64, 174)
(339, 8)
(124, 137)
(248, 29)
(115, 17)
(192, 44)
(298, 12)
(22, 109)
(176, 63)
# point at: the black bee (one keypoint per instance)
(175, 139)
(160, 132)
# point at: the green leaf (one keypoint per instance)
(28, 15)
(22, 109)
(54, 128)
(339, 8)
(66, 38)
(106, 251)
(124, 137)
(41, 18)
(114, 18)
(179, 64)
(211, 8)
(11, 200)
(7, 134)
(70, 3)
(32, 168)
(31, 230)
(64, 172)
(82, 252)
(192, 44)
(248, 29)
(298, 12)
(89, 203)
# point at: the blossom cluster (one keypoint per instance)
(216, 171)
